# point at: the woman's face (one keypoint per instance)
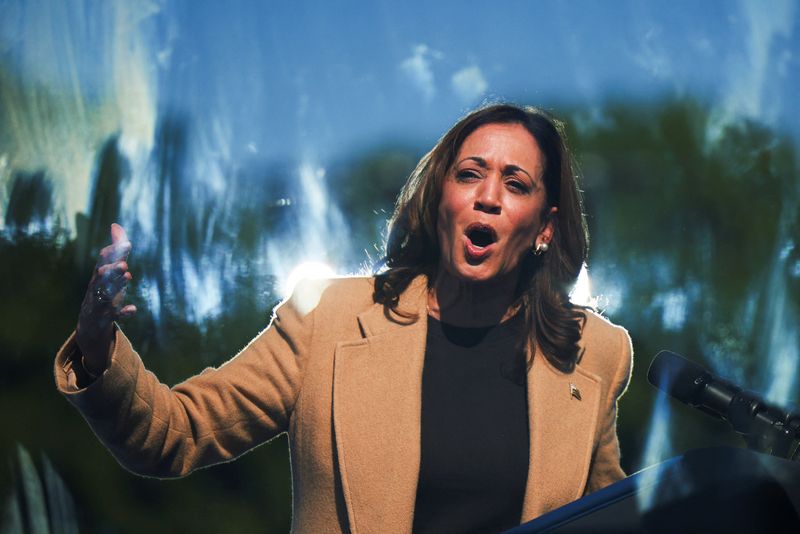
(490, 214)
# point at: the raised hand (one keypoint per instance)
(104, 302)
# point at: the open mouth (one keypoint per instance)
(481, 235)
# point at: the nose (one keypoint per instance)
(488, 195)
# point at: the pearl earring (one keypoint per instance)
(541, 248)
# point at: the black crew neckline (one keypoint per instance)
(469, 336)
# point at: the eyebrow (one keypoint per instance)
(508, 169)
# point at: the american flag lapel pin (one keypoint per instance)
(574, 391)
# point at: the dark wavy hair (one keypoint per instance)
(552, 322)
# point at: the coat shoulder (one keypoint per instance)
(330, 294)
(600, 330)
(607, 348)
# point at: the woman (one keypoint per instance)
(457, 390)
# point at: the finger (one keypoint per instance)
(120, 245)
(118, 300)
(118, 234)
(108, 291)
(114, 252)
(111, 286)
(113, 269)
(120, 251)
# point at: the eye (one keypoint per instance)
(517, 186)
(466, 175)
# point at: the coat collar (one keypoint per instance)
(377, 396)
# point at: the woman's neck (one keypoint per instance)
(461, 303)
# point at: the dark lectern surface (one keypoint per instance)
(718, 489)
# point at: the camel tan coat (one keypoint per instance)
(344, 380)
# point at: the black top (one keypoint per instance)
(474, 457)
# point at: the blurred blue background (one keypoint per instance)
(237, 141)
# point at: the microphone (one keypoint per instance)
(764, 426)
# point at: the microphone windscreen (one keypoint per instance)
(675, 375)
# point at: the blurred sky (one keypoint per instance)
(310, 84)
(319, 79)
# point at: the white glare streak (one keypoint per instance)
(138, 197)
(782, 341)
(149, 290)
(68, 99)
(310, 270)
(319, 230)
(675, 304)
(581, 294)
(750, 95)
(312, 180)
(203, 291)
(656, 450)
(134, 86)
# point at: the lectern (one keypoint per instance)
(719, 489)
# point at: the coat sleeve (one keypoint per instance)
(605, 468)
(212, 417)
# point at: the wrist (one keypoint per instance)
(95, 354)
(92, 375)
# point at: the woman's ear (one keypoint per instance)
(548, 227)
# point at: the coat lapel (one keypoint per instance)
(377, 396)
(563, 411)
(377, 400)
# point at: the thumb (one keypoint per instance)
(120, 246)
(118, 234)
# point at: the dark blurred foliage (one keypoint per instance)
(676, 215)
(29, 203)
(366, 188)
(105, 204)
(689, 217)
